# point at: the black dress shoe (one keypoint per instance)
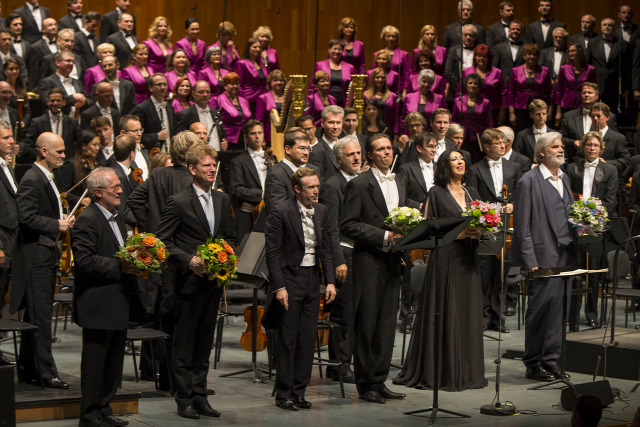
(55, 382)
(373, 397)
(4, 361)
(188, 411)
(509, 311)
(632, 308)
(592, 323)
(287, 404)
(539, 374)
(204, 408)
(115, 421)
(499, 328)
(558, 373)
(405, 329)
(301, 402)
(388, 394)
(98, 422)
(211, 391)
(347, 374)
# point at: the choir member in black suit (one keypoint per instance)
(247, 176)
(53, 120)
(452, 67)
(131, 125)
(584, 37)
(440, 121)
(21, 47)
(616, 152)
(124, 39)
(510, 154)
(102, 107)
(86, 42)
(73, 89)
(509, 54)
(156, 115)
(541, 31)
(41, 222)
(109, 23)
(376, 273)
(101, 125)
(277, 186)
(124, 156)
(608, 54)
(350, 126)
(102, 285)
(299, 256)
(5, 51)
(124, 97)
(627, 30)
(46, 44)
(8, 216)
(592, 177)
(555, 56)
(526, 139)
(489, 176)
(74, 19)
(201, 112)
(332, 194)
(33, 16)
(499, 32)
(65, 42)
(190, 217)
(452, 32)
(414, 124)
(322, 154)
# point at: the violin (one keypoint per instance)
(154, 151)
(246, 340)
(137, 175)
(323, 338)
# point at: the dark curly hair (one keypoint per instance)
(442, 177)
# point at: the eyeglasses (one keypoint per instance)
(114, 188)
(141, 130)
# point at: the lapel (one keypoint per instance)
(376, 193)
(53, 200)
(329, 154)
(6, 182)
(417, 172)
(531, 139)
(580, 176)
(217, 211)
(578, 123)
(296, 221)
(197, 208)
(107, 228)
(485, 172)
(546, 201)
(252, 167)
(317, 227)
(597, 178)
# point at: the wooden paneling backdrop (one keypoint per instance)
(293, 22)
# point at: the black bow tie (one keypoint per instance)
(17, 41)
(52, 42)
(77, 16)
(505, 25)
(127, 34)
(468, 48)
(610, 41)
(545, 21)
(514, 43)
(558, 50)
(91, 36)
(36, 7)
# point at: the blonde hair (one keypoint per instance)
(424, 30)
(389, 29)
(137, 48)
(371, 85)
(153, 29)
(344, 23)
(104, 46)
(263, 29)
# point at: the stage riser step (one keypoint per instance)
(70, 410)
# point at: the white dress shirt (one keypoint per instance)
(125, 169)
(495, 166)
(557, 61)
(49, 176)
(507, 155)
(390, 193)
(514, 50)
(56, 123)
(259, 161)
(427, 172)
(309, 233)
(441, 148)
(107, 152)
(293, 167)
(587, 178)
(329, 142)
(537, 133)
(116, 91)
(467, 58)
(603, 131)
(51, 44)
(69, 88)
(545, 30)
(141, 162)
(5, 168)
(128, 39)
(18, 47)
(35, 12)
(88, 34)
(607, 50)
(556, 182)
(586, 120)
(4, 115)
(161, 111)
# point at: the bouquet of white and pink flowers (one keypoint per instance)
(486, 216)
(589, 216)
(403, 219)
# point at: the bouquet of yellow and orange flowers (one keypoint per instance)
(146, 251)
(220, 261)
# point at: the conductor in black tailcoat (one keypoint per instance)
(103, 283)
(190, 217)
(298, 250)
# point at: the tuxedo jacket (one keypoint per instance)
(523, 161)
(128, 185)
(150, 121)
(452, 34)
(188, 116)
(101, 290)
(38, 214)
(82, 49)
(31, 62)
(535, 34)
(48, 67)
(617, 32)
(480, 178)
(48, 83)
(604, 187)
(572, 128)
(284, 244)
(332, 196)
(127, 96)
(30, 31)
(616, 152)
(607, 70)
(583, 39)
(322, 156)
(184, 226)
(411, 173)
(503, 59)
(452, 70)
(546, 60)
(632, 168)
(277, 187)
(525, 142)
(68, 21)
(8, 209)
(109, 25)
(87, 115)
(496, 35)
(123, 51)
(39, 125)
(244, 180)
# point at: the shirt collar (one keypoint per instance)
(86, 33)
(291, 165)
(347, 176)
(47, 173)
(125, 169)
(546, 174)
(3, 162)
(108, 215)
(200, 191)
(507, 155)
(378, 173)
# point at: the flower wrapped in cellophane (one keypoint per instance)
(588, 216)
(146, 251)
(486, 216)
(403, 219)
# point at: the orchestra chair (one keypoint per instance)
(153, 336)
(13, 326)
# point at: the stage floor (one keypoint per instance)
(244, 402)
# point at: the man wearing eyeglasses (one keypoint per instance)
(156, 115)
(101, 296)
(131, 125)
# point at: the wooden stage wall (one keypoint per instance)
(293, 22)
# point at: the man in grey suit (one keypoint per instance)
(542, 239)
(587, 24)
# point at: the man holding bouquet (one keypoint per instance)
(190, 218)
(542, 239)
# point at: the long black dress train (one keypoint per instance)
(458, 276)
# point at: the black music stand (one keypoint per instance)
(431, 234)
(251, 267)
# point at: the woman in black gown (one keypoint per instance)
(458, 279)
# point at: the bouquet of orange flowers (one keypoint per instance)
(146, 251)
(220, 261)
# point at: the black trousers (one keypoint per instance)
(196, 316)
(490, 275)
(297, 332)
(543, 320)
(38, 311)
(101, 370)
(376, 287)
(342, 312)
(408, 299)
(244, 223)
